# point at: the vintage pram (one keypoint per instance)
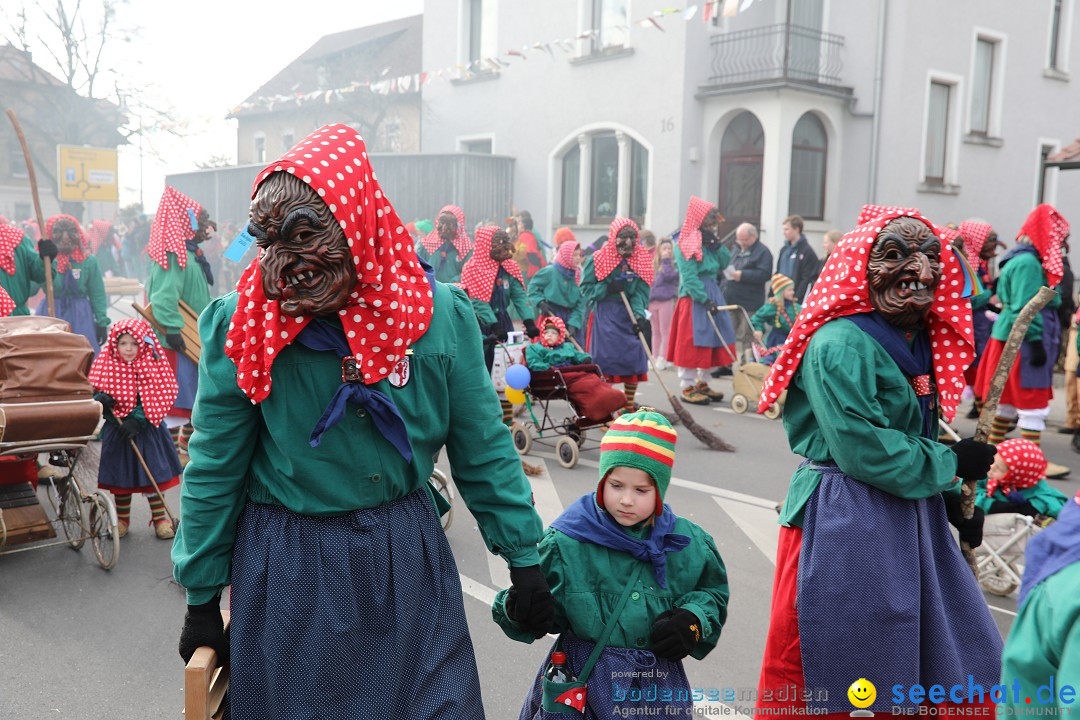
(749, 376)
(47, 407)
(1000, 557)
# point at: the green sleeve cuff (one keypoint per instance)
(703, 618)
(201, 596)
(522, 557)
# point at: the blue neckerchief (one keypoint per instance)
(913, 360)
(585, 521)
(566, 272)
(200, 257)
(1018, 250)
(1052, 549)
(321, 337)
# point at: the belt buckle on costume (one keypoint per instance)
(350, 372)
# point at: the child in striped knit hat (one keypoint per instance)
(624, 532)
(774, 319)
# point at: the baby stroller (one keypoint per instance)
(545, 388)
(1000, 557)
(749, 377)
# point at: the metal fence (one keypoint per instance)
(784, 52)
(416, 184)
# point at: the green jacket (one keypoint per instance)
(1043, 498)
(519, 303)
(768, 318)
(587, 581)
(166, 288)
(29, 269)
(448, 268)
(713, 260)
(90, 284)
(637, 290)
(850, 404)
(1020, 280)
(551, 284)
(538, 357)
(242, 452)
(1044, 642)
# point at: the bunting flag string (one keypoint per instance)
(413, 82)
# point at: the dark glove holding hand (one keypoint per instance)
(616, 286)
(529, 602)
(203, 626)
(530, 328)
(102, 334)
(973, 459)
(674, 634)
(971, 529)
(1038, 353)
(47, 249)
(107, 401)
(1007, 506)
(132, 426)
(176, 342)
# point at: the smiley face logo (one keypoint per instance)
(862, 693)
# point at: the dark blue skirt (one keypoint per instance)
(121, 472)
(76, 311)
(704, 332)
(1037, 378)
(614, 345)
(884, 594)
(187, 382)
(351, 616)
(623, 680)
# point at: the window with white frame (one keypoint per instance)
(809, 147)
(604, 175)
(611, 21)
(480, 146)
(1060, 17)
(479, 30)
(987, 84)
(937, 132)
(260, 148)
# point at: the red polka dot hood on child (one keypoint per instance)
(172, 227)
(81, 250)
(975, 236)
(1047, 229)
(544, 322)
(564, 257)
(1027, 466)
(607, 258)
(478, 275)
(391, 307)
(433, 241)
(690, 235)
(842, 289)
(148, 377)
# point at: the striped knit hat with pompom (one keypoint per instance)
(644, 440)
(781, 283)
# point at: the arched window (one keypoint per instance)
(605, 174)
(742, 154)
(809, 147)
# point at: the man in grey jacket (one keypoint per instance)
(745, 278)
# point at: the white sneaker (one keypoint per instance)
(661, 363)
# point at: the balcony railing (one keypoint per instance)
(776, 53)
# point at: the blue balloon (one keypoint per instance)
(517, 377)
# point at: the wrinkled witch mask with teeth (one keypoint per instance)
(903, 271)
(305, 260)
(625, 241)
(502, 249)
(65, 235)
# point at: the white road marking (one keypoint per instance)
(759, 524)
(477, 589)
(748, 413)
(548, 504)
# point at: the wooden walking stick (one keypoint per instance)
(146, 469)
(990, 402)
(37, 207)
(711, 441)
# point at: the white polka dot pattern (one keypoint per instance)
(1047, 230)
(690, 235)
(432, 241)
(1027, 466)
(393, 291)
(148, 377)
(975, 236)
(172, 227)
(10, 237)
(478, 275)
(841, 289)
(607, 258)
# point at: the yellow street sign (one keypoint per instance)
(86, 173)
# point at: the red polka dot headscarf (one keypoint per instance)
(389, 310)
(870, 212)
(10, 238)
(975, 236)
(478, 275)
(80, 251)
(432, 241)
(1027, 466)
(97, 232)
(148, 377)
(564, 257)
(842, 289)
(690, 235)
(172, 228)
(1047, 230)
(607, 258)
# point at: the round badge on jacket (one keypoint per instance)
(401, 373)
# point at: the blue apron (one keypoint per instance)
(704, 333)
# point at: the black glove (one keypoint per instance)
(973, 459)
(131, 426)
(970, 530)
(1006, 506)
(1038, 353)
(674, 634)
(530, 328)
(203, 626)
(529, 602)
(107, 401)
(644, 327)
(616, 286)
(47, 248)
(102, 333)
(176, 342)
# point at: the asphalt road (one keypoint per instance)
(79, 642)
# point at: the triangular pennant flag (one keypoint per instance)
(707, 11)
(731, 8)
(690, 12)
(745, 5)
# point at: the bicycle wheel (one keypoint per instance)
(71, 513)
(103, 532)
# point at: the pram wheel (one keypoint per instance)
(522, 440)
(739, 403)
(103, 531)
(996, 581)
(67, 499)
(566, 450)
(773, 412)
